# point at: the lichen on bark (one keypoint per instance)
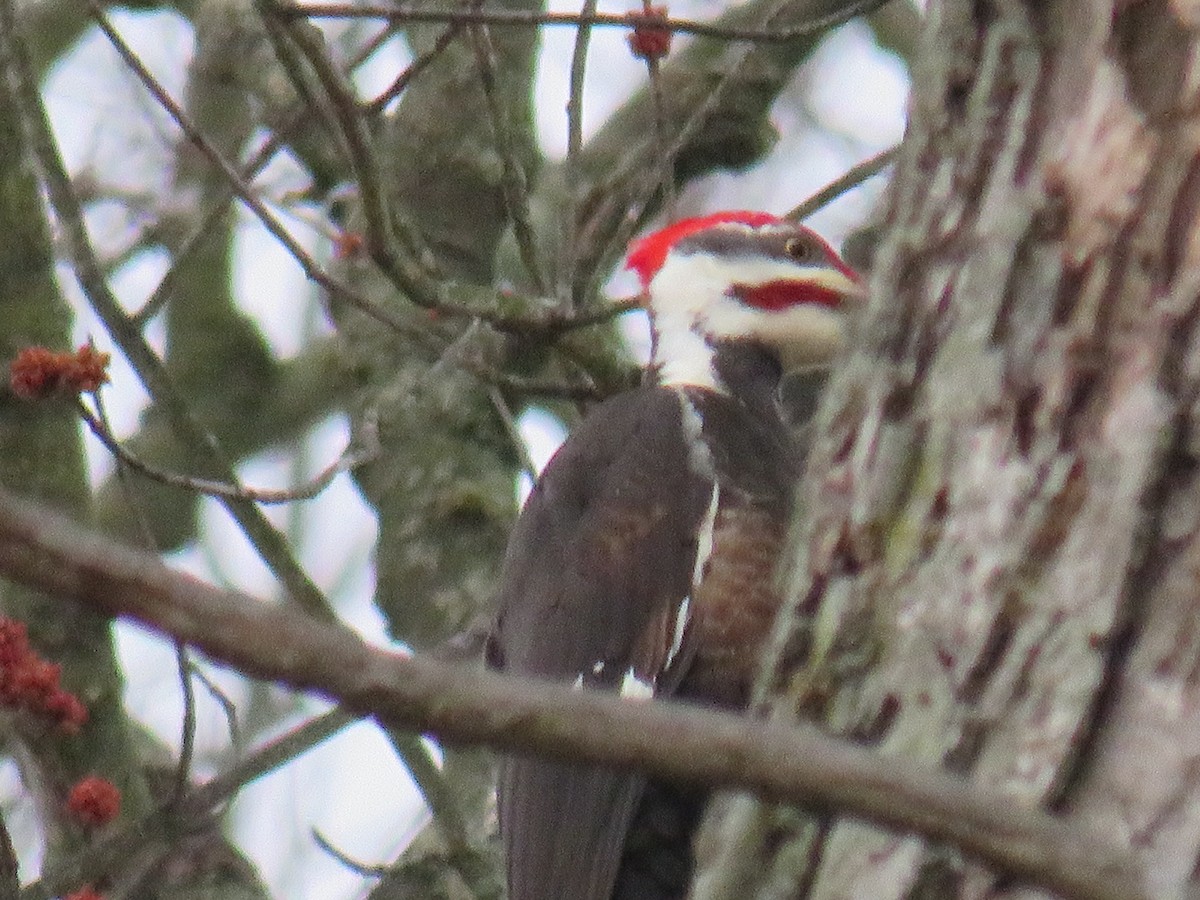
(988, 571)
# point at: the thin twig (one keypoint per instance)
(210, 488)
(534, 387)
(569, 253)
(666, 164)
(183, 665)
(519, 445)
(530, 19)
(659, 101)
(463, 705)
(223, 700)
(187, 739)
(588, 317)
(365, 870)
(368, 47)
(415, 68)
(855, 176)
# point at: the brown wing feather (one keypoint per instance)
(597, 568)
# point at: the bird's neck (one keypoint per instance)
(739, 368)
(748, 370)
(742, 435)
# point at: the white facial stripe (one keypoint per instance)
(682, 356)
(687, 283)
(689, 293)
(805, 335)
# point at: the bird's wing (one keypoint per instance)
(595, 593)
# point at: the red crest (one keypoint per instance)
(647, 256)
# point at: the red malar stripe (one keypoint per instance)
(777, 295)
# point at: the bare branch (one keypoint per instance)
(465, 706)
(519, 18)
(853, 177)
(568, 251)
(308, 491)
(514, 184)
(202, 231)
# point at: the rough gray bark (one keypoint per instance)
(995, 570)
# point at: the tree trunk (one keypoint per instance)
(996, 566)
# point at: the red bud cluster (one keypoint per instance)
(38, 372)
(94, 801)
(30, 683)
(86, 892)
(651, 36)
(349, 245)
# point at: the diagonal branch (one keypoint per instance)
(845, 182)
(464, 706)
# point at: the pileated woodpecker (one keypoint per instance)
(642, 562)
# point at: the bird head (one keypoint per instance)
(742, 277)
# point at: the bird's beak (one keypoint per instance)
(855, 291)
(843, 284)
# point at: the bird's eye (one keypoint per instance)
(798, 249)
